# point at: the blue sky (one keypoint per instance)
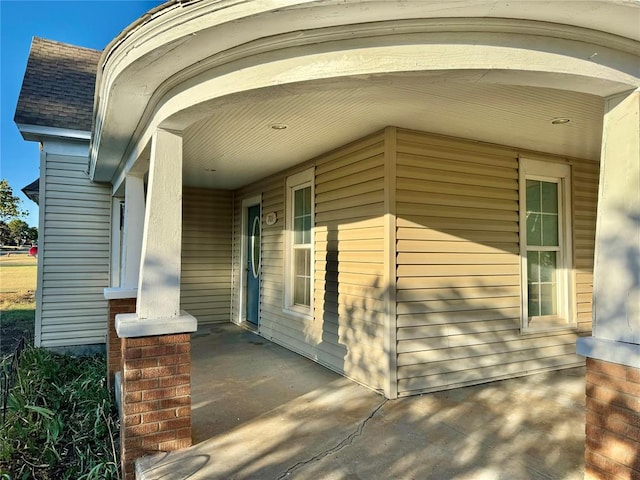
(86, 23)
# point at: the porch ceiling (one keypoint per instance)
(233, 142)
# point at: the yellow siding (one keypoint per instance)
(585, 176)
(346, 333)
(458, 266)
(73, 254)
(205, 290)
(458, 281)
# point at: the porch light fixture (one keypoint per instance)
(560, 121)
(279, 126)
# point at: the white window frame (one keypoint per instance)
(296, 182)
(561, 174)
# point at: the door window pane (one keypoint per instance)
(255, 247)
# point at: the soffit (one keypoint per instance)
(237, 141)
(180, 40)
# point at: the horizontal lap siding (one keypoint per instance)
(206, 254)
(346, 331)
(74, 252)
(585, 177)
(349, 254)
(458, 268)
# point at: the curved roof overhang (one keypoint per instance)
(181, 61)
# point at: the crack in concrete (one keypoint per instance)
(342, 444)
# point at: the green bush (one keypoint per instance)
(61, 421)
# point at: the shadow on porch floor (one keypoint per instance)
(263, 412)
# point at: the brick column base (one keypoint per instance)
(116, 306)
(612, 447)
(156, 397)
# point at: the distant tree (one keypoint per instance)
(19, 231)
(5, 233)
(31, 235)
(10, 205)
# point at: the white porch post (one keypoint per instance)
(125, 258)
(613, 352)
(158, 281)
(132, 232)
(616, 297)
(155, 342)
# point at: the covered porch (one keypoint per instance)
(260, 411)
(399, 178)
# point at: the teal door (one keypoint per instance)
(252, 254)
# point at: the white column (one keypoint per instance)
(158, 300)
(159, 283)
(116, 229)
(616, 297)
(132, 233)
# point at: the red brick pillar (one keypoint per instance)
(116, 306)
(613, 421)
(156, 397)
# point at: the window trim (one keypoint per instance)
(561, 174)
(296, 182)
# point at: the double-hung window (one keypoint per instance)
(299, 244)
(545, 244)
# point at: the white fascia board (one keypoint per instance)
(37, 133)
(180, 40)
(60, 146)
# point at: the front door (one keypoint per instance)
(252, 255)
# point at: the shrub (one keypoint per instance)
(60, 421)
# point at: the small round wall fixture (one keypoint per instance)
(560, 121)
(271, 218)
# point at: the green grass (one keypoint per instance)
(17, 274)
(61, 421)
(17, 300)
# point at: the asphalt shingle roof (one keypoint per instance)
(58, 86)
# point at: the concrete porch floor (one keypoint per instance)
(260, 411)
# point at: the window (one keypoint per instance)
(299, 244)
(545, 244)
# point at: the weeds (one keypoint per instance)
(61, 422)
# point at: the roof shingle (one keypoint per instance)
(58, 86)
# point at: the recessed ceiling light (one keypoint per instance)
(560, 121)
(279, 126)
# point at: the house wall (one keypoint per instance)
(205, 283)
(346, 333)
(458, 265)
(73, 250)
